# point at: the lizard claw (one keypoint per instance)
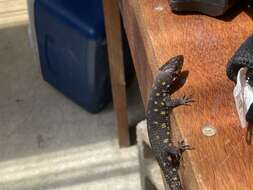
(185, 100)
(183, 147)
(174, 154)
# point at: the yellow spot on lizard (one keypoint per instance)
(163, 125)
(163, 113)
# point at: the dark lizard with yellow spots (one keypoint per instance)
(159, 130)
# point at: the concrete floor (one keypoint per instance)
(47, 141)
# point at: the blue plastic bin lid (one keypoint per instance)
(86, 15)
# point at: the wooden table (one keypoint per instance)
(155, 35)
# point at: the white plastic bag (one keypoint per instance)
(243, 94)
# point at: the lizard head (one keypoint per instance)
(172, 69)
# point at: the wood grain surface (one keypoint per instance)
(155, 35)
(116, 63)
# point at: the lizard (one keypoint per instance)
(159, 107)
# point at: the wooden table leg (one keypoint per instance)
(115, 51)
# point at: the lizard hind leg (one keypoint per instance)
(172, 157)
(174, 154)
(171, 163)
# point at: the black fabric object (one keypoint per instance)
(249, 77)
(243, 57)
(211, 8)
(249, 115)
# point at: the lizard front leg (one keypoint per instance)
(173, 103)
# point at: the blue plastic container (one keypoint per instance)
(72, 50)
